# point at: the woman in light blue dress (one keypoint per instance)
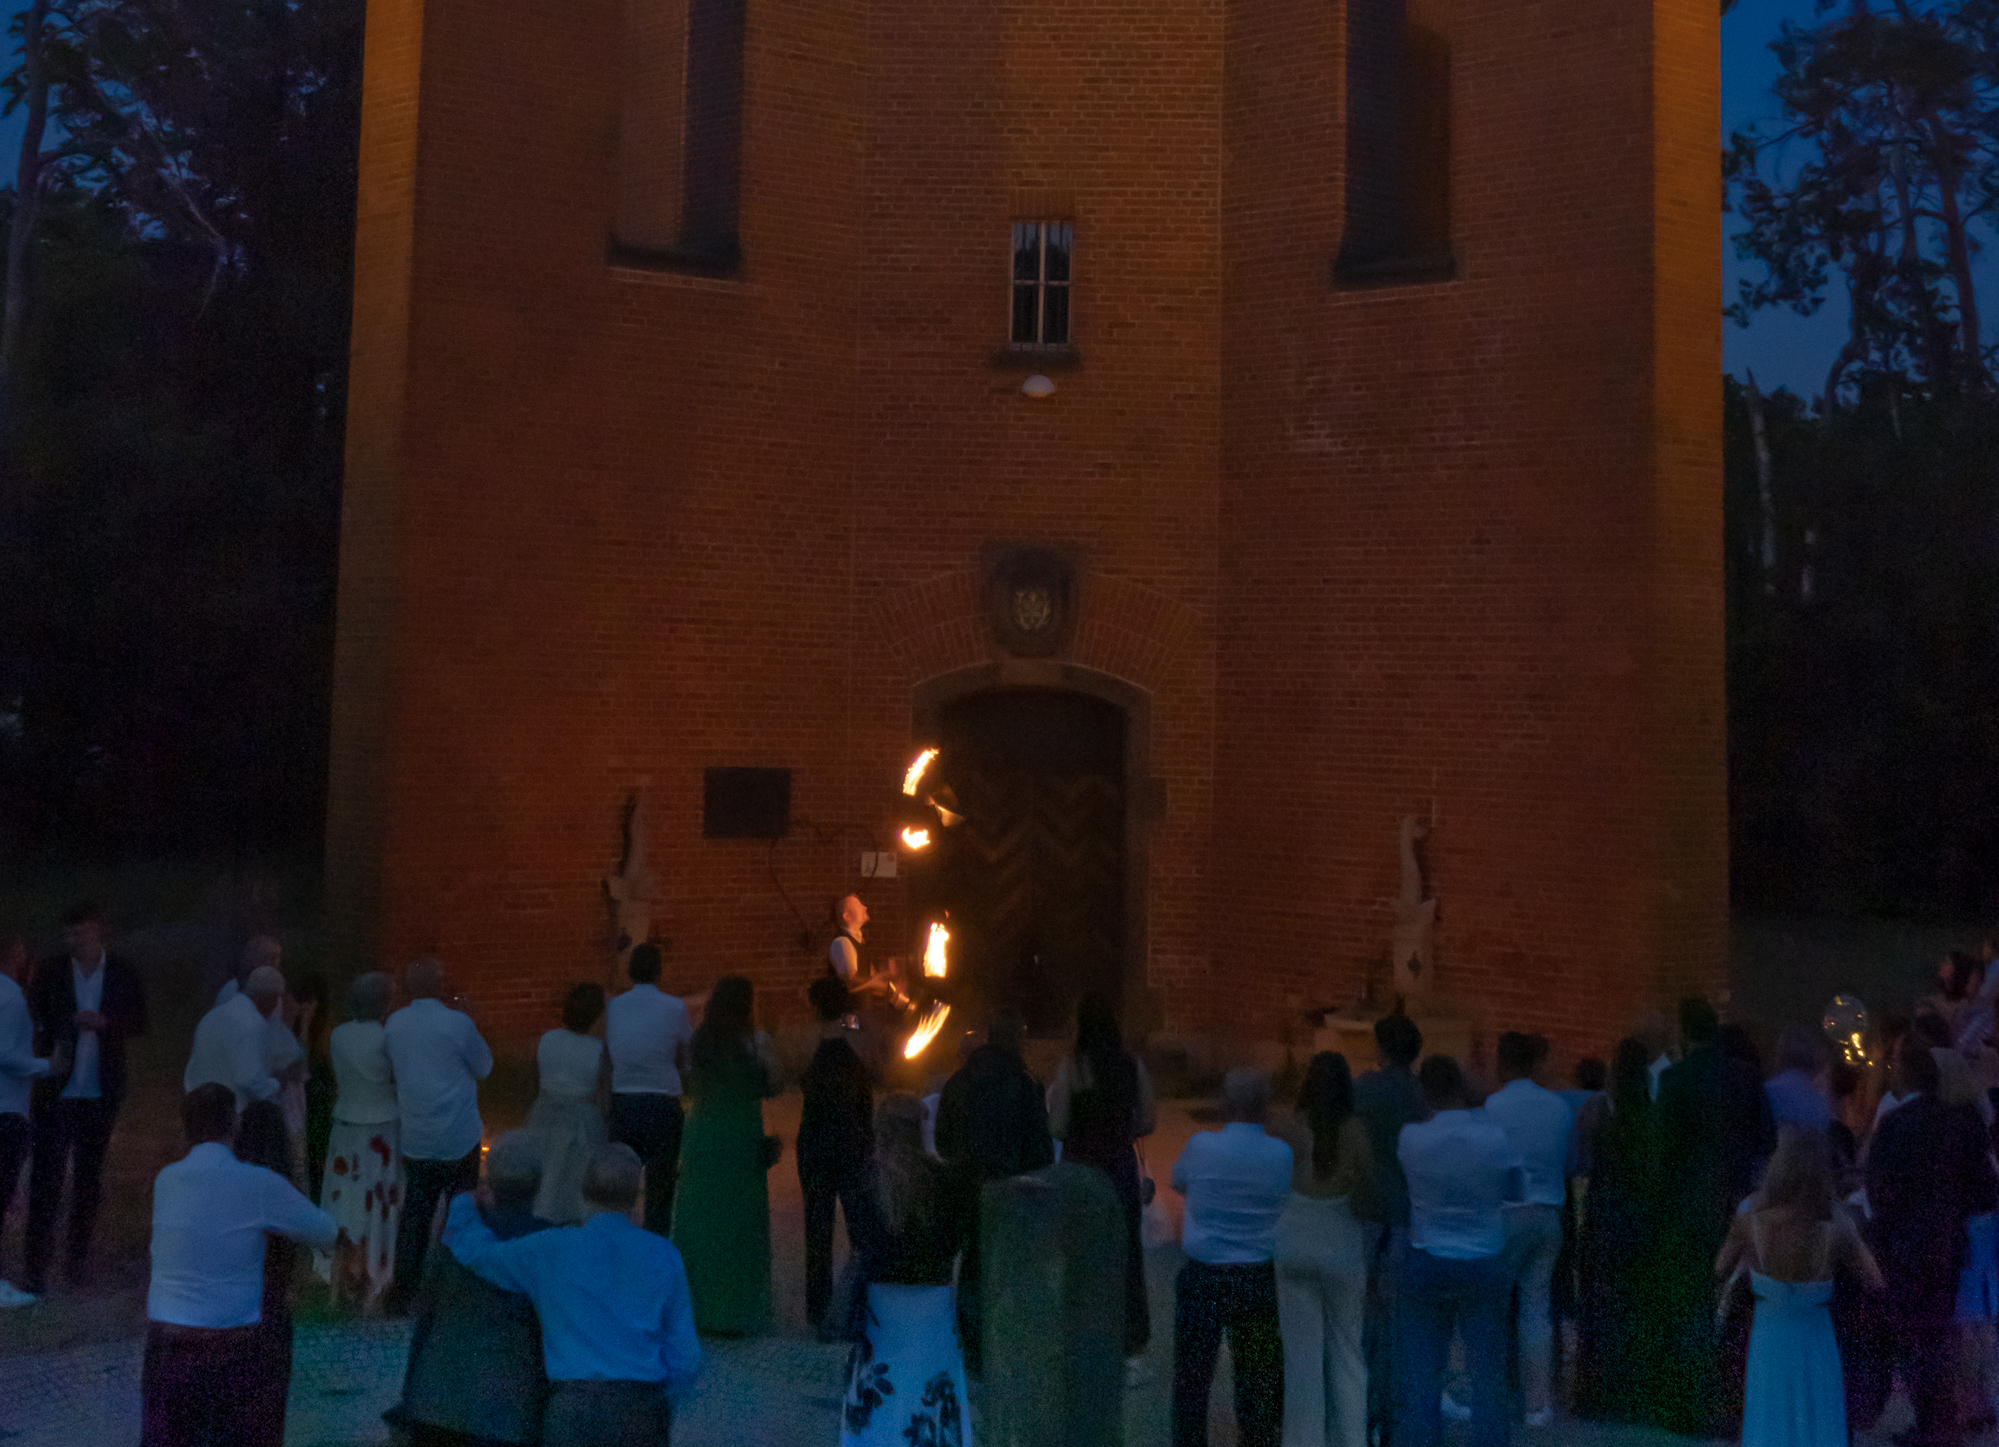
(1788, 1245)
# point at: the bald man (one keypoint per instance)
(232, 1043)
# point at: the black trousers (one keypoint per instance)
(1241, 1301)
(70, 1138)
(606, 1414)
(651, 1125)
(14, 1136)
(199, 1389)
(821, 1189)
(424, 1184)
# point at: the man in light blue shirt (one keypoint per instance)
(1462, 1175)
(1796, 1100)
(617, 1327)
(1236, 1181)
(1538, 1125)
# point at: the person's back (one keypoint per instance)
(835, 1130)
(646, 1031)
(475, 1357)
(1538, 1125)
(617, 1328)
(439, 1059)
(1235, 1181)
(230, 1048)
(1384, 1101)
(992, 1121)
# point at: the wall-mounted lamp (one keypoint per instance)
(1038, 386)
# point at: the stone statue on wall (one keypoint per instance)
(1414, 949)
(630, 890)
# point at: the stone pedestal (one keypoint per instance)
(1053, 1244)
(1444, 1033)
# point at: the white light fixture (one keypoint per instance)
(1038, 386)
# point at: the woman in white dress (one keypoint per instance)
(568, 1115)
(1791, 1241)
(363, 1186)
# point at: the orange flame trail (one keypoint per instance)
(915, 775)
(926, 1031)
(936, 962)
(916, 838)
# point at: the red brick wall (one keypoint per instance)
(1471, 530)
(606, 527)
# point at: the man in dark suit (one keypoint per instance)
(87, 1003)
(1928, 1171)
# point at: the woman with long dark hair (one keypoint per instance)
(1615, 1265)
(905, 1376)
(721, 1212)
(1322, 1260)
(1099, 1107)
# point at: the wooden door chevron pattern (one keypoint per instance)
(1039, 893)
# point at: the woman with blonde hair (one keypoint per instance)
(1790, 1242)
(906, 1375)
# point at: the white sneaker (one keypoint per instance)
(1543, 1418)
(1452, 1411)
(12, 1295)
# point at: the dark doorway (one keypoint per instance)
(1034, 879)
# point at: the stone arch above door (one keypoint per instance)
(1123, 629)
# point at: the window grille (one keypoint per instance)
(1042, 252)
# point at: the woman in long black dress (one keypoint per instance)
(1616, 1248)
(1099, 1107)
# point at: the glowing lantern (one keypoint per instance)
(915, 775)
(937, 963)
(916, 838)
(926, 1031)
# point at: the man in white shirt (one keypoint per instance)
(439, 1059)
(18, 1066)
(648, 1033)
(1538, 1125)
(204, 1353)
(232, 1042)
(1236, 1181)
(1462, 1174)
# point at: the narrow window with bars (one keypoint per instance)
(1041, 256)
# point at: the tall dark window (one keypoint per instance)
(1398, 141)
(1042, 251)
(680, 145)
(713, 159)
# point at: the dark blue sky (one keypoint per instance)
(1784, 349)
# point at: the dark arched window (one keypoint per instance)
(1398, 142)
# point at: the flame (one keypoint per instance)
(915, 775)
(916, 838)
(926, 1030)
(936, 962)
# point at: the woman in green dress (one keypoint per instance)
(721, 1214)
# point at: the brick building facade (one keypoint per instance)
(633, 492)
